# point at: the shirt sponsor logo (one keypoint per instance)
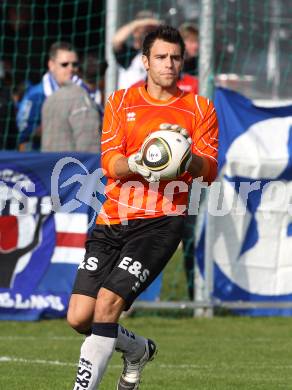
(131, 116)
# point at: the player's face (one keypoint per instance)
(164, 63)
(63, 66)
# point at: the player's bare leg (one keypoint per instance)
(97, 348)
(107, 335)
(80, 313)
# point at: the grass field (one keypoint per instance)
(221, 353)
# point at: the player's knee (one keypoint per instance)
(108, 306)
(80, 313)
(79, 323)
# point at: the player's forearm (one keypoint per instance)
(202, 167)
(121, 168)
(196, 166)
(117, 167)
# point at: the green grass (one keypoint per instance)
(227, 353)
(174, 286)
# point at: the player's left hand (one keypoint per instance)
(177, 129)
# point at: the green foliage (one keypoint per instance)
(221, 353)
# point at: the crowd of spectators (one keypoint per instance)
(30, 125)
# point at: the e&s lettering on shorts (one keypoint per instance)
(125, 259)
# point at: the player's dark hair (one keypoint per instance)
(60, 46)
(165, 33)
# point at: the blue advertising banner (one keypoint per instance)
(40, 249)
(249, 230)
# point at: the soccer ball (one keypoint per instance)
(166, 152)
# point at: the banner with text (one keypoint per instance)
(48, 203)
(249, 228)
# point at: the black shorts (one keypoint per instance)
(125, 259)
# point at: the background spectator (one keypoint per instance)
(93, 75)
(62, 67)
(188, 80)
(128, 55)
(71, 117)
(190, 35)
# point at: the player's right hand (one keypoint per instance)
(136, 166)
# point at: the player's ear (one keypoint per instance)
(145, 62)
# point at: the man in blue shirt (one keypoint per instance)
(62, 67)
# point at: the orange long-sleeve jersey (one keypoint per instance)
(130, 116)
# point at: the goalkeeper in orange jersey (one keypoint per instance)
(132, 243)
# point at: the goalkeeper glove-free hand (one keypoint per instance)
(177, 129)
(135, 166)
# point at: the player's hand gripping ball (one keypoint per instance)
(167, 151)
